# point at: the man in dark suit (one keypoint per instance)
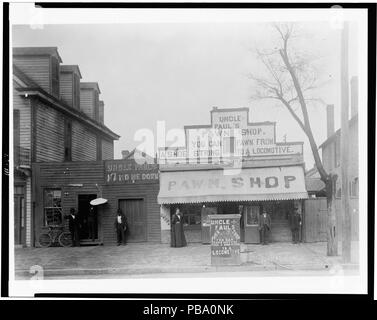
(73, 224)
(264, 226)
(295, 225)
(120, 225)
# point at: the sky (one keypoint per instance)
(177, 72)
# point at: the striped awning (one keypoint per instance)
(251, 184)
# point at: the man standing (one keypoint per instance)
(120, 224)
(91, 221)
(295, 225)
(264, 226)
(73, 225)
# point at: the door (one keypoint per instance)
(19, 220)
(251, 219)
(134, 210)
(83, 212)
(315, 220)
(206, 223)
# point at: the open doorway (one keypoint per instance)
(87, 223)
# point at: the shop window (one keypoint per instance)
(53, 214)
(19, 189)
(191, 215)
(252, 214)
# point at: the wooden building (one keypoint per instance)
(124, 183)
(232, 166)
(56, 119)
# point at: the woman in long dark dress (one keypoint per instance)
(177, 235)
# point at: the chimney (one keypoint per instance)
(70, 85)
(125, 154)
(101, 112)
(41, 65)
(89, 99)
(330, 120)
(354, 96)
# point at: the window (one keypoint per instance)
(252, 214)
(76, 88)
(354, 188)
(67, 141)
(99, 148)
(16, 136)
(53, 214)
(55, 70)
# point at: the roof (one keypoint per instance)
(90, 85)
(351, 122)
(71, 68)
(314, 184)
(33, 51)
(34, 89)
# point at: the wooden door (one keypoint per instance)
(19, 219)
(315, 220)
(251, 218)
(134, 210)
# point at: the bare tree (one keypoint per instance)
(289, 78)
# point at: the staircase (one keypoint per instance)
(280, 231)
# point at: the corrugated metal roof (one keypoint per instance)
(314, 184)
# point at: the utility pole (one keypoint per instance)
(344, 142)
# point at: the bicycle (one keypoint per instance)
(55, 234)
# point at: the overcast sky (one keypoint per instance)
(178, 71)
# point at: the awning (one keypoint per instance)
(252, 184)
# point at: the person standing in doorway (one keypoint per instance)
(73, 224)
(178, 238)
(264, 226)
(120, 224)
(295, 225)
(91, 218)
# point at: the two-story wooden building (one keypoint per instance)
(56, 118)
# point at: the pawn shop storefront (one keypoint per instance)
(200, 192)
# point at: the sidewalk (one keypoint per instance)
(147, 258)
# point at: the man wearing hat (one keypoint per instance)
(74, 225)
(295, 225)
(264, 226)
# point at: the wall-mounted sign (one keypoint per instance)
(230, 135)
(129, 172)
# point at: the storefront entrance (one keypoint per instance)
(83, 212)
(134, 210)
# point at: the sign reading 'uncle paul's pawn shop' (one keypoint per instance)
(225, 239)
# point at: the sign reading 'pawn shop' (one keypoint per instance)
(225, 239)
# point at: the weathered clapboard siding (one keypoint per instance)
(85, 175)
(84, 143)
(148, 192)
(66, 87)
(87, 99)
(37, 68)
(107, 149)
(49, 133)
(64, 176)
(23, 105)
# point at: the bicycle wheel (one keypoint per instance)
(45, 240)
(65, 239)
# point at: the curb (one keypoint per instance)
(137, 270)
